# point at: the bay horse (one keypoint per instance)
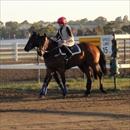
(91, 62)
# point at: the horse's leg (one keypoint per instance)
(63, 81)
(100, 76)
(47, 79)
(98, 72)
(88, 72)
(57, 77)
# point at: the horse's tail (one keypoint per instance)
(102, 62)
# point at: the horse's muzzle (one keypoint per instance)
(40, 53)
(26, 49)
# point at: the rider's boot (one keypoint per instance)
(68, 52)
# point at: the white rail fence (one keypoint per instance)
(42, 66)
(14, 50)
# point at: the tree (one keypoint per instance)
(108, 28)
(51, 30)
(11, 28)
(126, 28)
(125, 19)
(99, 30)
(35, 27)
(118, 19)
(23, 29)
(1, 24)
(84, 21)
(80, 32)
(100, 20)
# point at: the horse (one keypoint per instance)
(91, 61)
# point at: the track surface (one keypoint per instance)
(24, 111)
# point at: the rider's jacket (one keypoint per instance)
(65, 36)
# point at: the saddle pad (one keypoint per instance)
(74, 49)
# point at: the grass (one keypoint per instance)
(79, 84)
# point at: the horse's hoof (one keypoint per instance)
(103, 91)
(87, 94)
(42, 93)
(64, 96)
(41, 96)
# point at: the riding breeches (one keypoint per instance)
(66, 50)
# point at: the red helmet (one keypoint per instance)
(62, 20)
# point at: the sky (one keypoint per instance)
(51, 10)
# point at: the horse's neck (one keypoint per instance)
(52, 44)
(52, 50)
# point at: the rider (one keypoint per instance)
(65, 37)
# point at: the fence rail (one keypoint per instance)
(14, 50)
(42, 66)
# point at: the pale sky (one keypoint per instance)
(36, 10)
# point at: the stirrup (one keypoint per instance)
(67, 57)
(56, 55)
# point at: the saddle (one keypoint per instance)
(75, 49)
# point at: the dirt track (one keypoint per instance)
(24, 111)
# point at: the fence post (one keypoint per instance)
(39, 73)
(124, 51)
(115, 82)
(16, 51)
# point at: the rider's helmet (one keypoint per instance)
(62, 20)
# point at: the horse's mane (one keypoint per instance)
(53, 41)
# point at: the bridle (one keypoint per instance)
(42, 48)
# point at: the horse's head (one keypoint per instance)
(34, 41)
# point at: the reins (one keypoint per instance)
(52, 49)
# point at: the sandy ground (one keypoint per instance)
(25, 111)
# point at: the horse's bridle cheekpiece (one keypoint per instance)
(43, 46)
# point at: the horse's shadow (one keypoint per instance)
(71, 113)
(16, 95)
